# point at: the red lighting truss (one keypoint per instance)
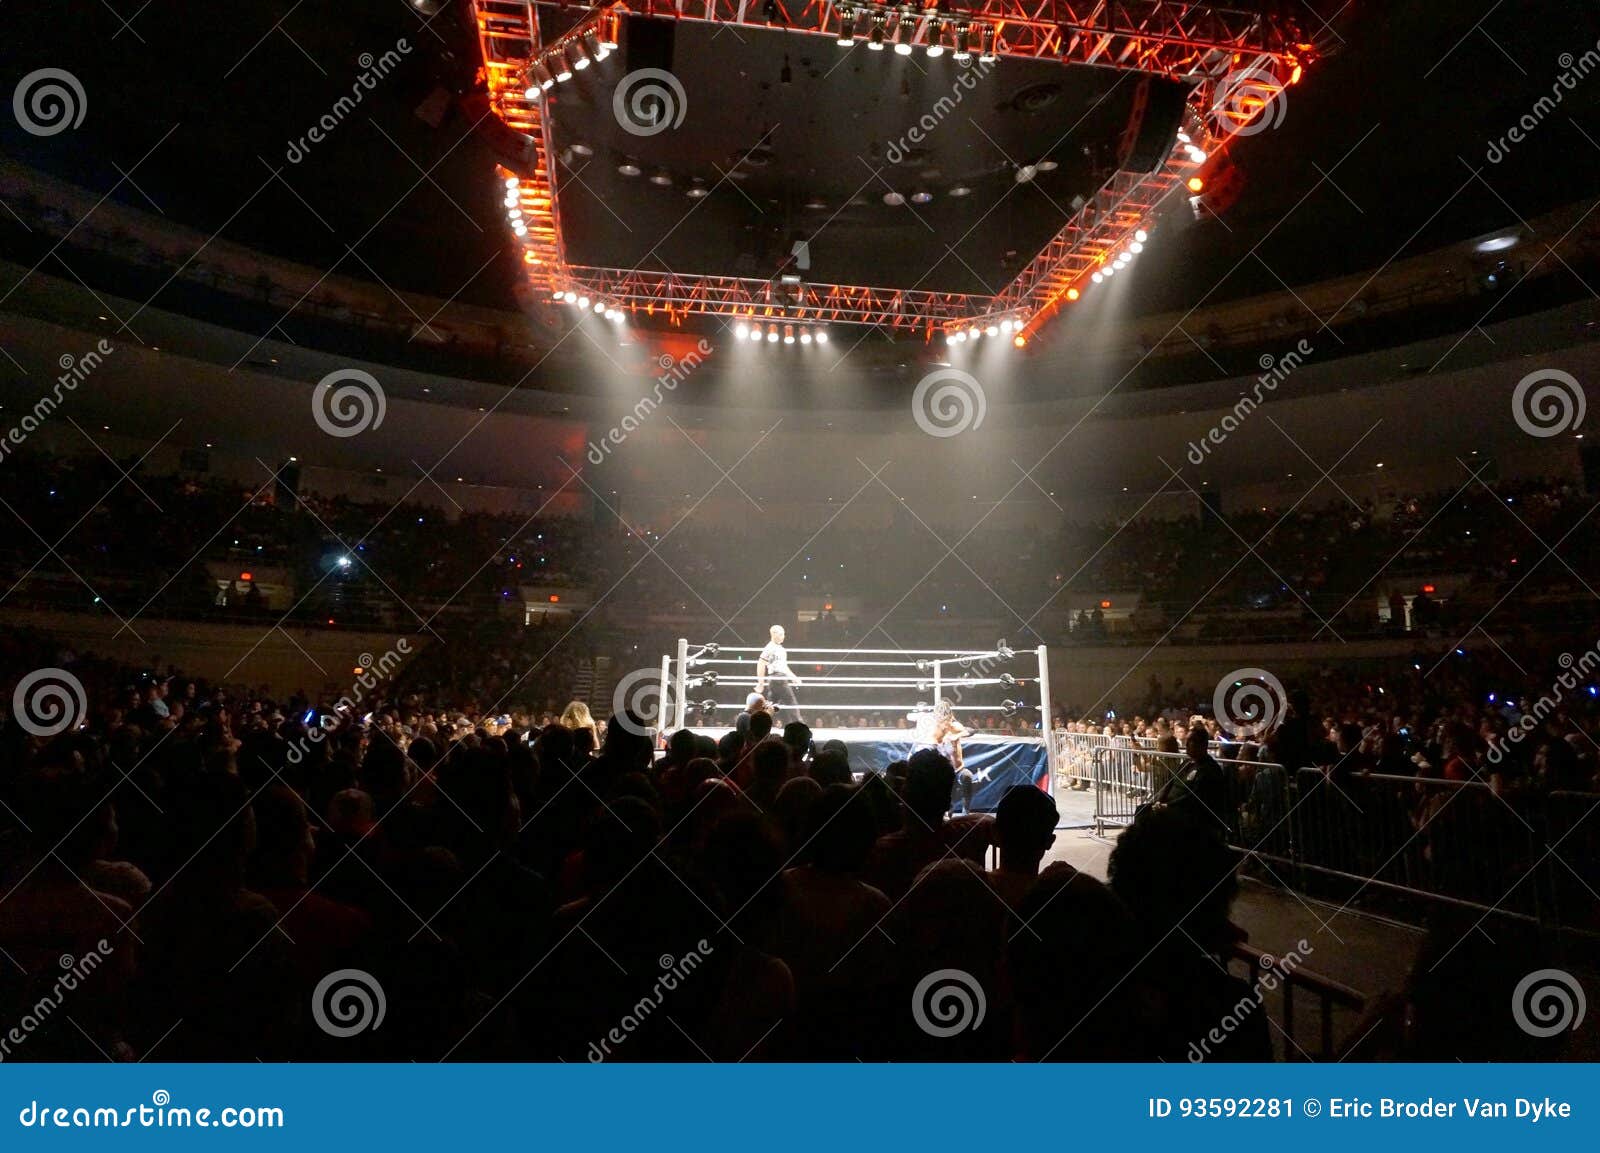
(1239, 63)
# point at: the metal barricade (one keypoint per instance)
(1342, 837)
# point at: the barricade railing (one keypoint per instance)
(1523, 854)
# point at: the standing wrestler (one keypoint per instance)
(774, 679)
(940, 730)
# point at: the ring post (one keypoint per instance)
(1046, 717)
(681, 711)
(666, 696)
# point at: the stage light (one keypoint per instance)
(1198, 155)
(629, 168)
(935, 40)
(963, 51)
(902, 47)
(1136, 248)
(532, 92)
(570, 297)
(1196, 184)
(1073, 294)
(875, 39)
(894, 199)
(697, 190)
(921, 197)
(592, 45)
(950, 338)
(1141, 236)
(580, 58)
(986, 42)
(661, 178)
(511, 183)
(974, 333)
(514, 214)
(772, 334)
(1025, 173)
(583, 302)
(992, 330)
(741, 330)
(822, 336)
(788, 334)
(560, 66)
(805, 337)
(1019, 340)
(1109, 270)
(959, 191)
(1183, 138)
(1097, 278)
(599, 306)
(519, 229)
(510, 200)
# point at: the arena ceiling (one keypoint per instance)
(195, 114)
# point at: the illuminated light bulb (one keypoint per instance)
(1136, 248)
(583, 302)
(1196, 184)
(772, 334)
(741, 330)
(1141, 236)
(512, 182)
(1073, 294)
(805, 338)
(1097, 278)
(991, 331)
(822, 336)
(1019, 340)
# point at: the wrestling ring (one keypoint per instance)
(706, 686)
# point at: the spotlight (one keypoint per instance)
(1109, 270)
(599, 306)
(1073, 294)
(592, 45)
(1183, 138)
(1097, 277)
(532, 92)
(1025, 173)
(583, 302)
(772, 334)
(580, 58)
(629, 168)
(805, 337)
(992, 330)
(921, 197)
(741, 330)
(936, 41)
(1141, 236)
(822, 336)
(755, 334)
(661, 178)
(560, 66)
(1196, 184)
(1136, 248)
(974, 333)
(608, 36)
(963, 51)
(511, 183)
(986, 46)
(951, 338)
(959, 191)
(957, 338)
(1019, 340)
(875, 39)
(1198, 155)
(519, 229)
(788, 334)
(697, 190)
(902, 46)
(894, 199)
(570, 297)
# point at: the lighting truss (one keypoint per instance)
(1237, 62)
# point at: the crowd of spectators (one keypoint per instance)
(148, 540)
